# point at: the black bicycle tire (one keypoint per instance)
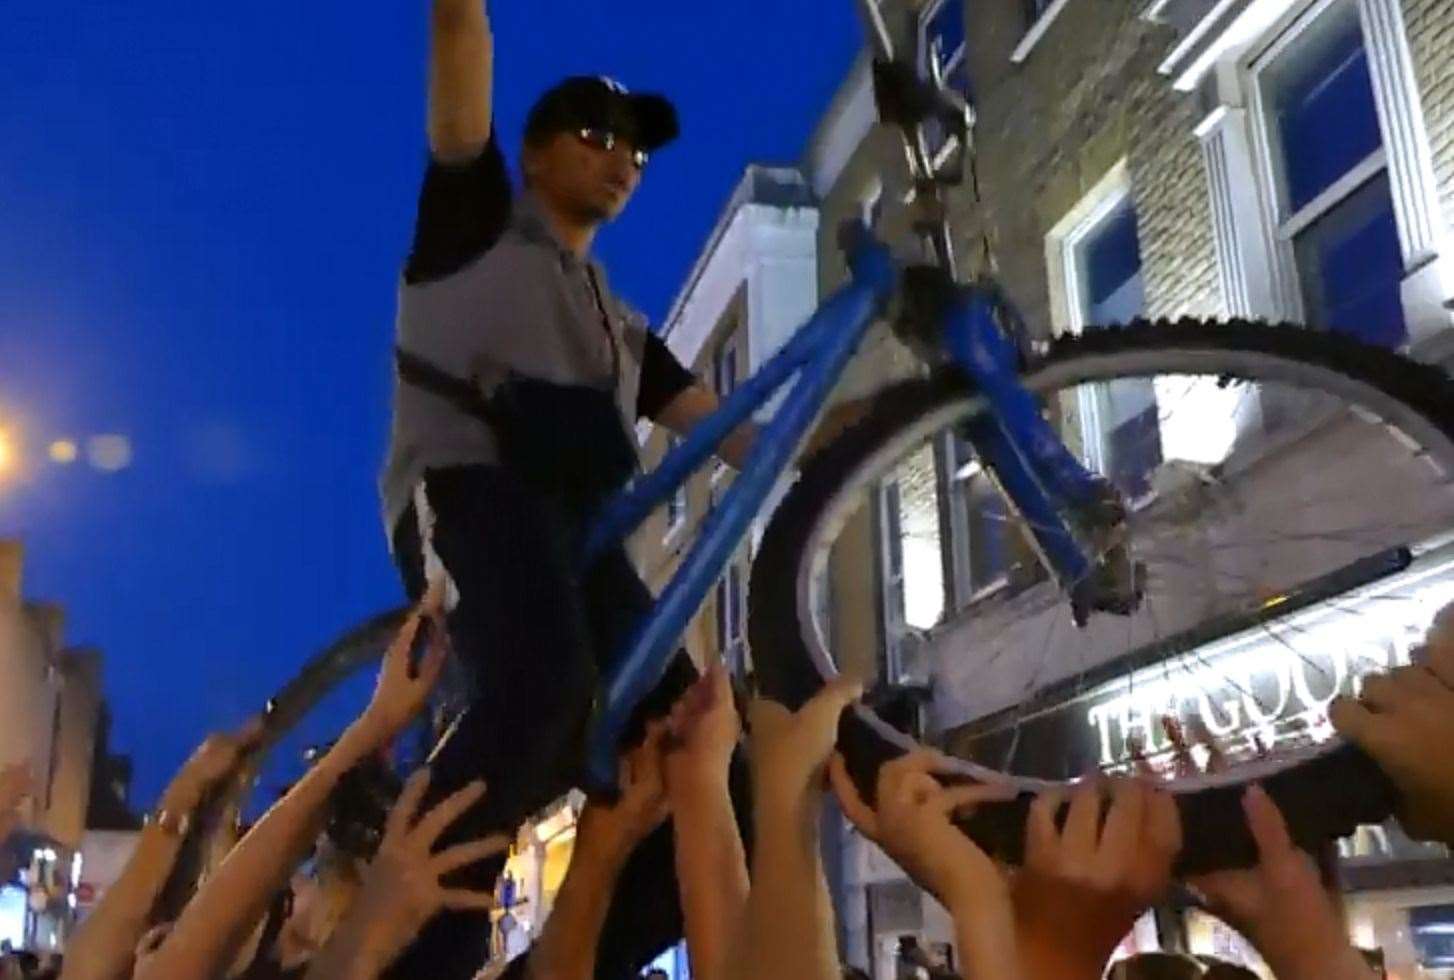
(1326, 797)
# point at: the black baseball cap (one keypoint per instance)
(649, 122)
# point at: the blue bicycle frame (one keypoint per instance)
(1014, 441)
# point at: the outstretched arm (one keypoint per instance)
(461, 76)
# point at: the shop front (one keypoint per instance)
(1260, 690)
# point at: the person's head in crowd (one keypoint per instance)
(323, 890)
(1157, 966)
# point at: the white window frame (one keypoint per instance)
(926, 16)
(731, 343)
(1037, 31)
(1259, 274)
(1282, 226)
(1068, 296)
(894, 616)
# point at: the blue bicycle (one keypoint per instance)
(1164, 546)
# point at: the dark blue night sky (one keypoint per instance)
(202, 211)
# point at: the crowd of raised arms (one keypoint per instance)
(1096, 856)
(478, 523)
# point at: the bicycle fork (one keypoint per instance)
(1076, 519)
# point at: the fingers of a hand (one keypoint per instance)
(401, 817)
(1382, 692)
(1042, 835)
(819, 717)
(1266, 822)
(470, 852)
(850, 801)
(893, 774)
(1082, 825)
(431, 665)
(1439, 646)
(1353, 720)
(1163, 821)
(957, 799)
(717, 685)
(398, 652)
(433, 602)
(767, 718)
(464, 900)
(250, 735)
(436, 821)
(1124, 820)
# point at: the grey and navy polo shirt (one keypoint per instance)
(487, 292)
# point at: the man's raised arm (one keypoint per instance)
(461, 73)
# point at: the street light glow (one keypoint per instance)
(64, 452)
(8, 453)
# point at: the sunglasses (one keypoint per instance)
(605, 140)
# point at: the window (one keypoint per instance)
(984, 517)
(911, 552)
(945, 51)
(1122, 432)
(724, 368)
(725, 372)
(1334, 209)
(730, 642)
(945, 55)
(891, 565)
(676, 504)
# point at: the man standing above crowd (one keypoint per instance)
(520, 378)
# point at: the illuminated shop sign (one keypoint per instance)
(1264, 689)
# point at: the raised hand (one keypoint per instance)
(913, 823)
(403, 887)
(612, 830)
(1084, 884)
(702, 732)
(1281, 905)
(403, 687)
(1397, 719)
(790, 750)
(213, 762)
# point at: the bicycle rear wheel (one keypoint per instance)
(1292, 499)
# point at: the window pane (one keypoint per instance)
(989, 533)
(1322, 104)
(1111, 266)
(1351, 266)
(945, 31)
(1114, 292)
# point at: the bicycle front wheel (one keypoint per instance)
(1291, 498)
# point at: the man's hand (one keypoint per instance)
(403, 887)
(702, 732)
(914, 824)
(1280, 905)
(1084, 885)
(790, 751)
(214, 762)
(403, 688)
(612, 831)
(461, 77)
(1399, 718)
